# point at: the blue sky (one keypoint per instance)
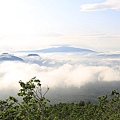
(36, 24)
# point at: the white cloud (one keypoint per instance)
(108, 4)
(76, 74)
(66, 75)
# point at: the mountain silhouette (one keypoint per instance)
(9, 57)
(62, 49)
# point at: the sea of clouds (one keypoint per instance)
(59, 69)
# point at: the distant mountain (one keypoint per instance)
(87, 92)
(110, 55)
(61, 49)
(33, 55)
(9, 57)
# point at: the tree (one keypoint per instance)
(33, 103)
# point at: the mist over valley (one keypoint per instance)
(71, 75)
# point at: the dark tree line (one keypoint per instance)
(34, 106)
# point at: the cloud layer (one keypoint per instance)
(73, 70)
(108, 4)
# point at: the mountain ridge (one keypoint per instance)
(9, 57)
(65, 49)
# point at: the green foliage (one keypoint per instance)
(33, 103)
(33, 106)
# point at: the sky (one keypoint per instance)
(37, 24)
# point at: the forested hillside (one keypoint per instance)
(35, 106)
